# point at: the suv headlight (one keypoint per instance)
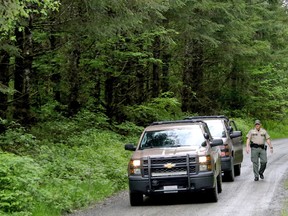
(135, 167)
(205, 163)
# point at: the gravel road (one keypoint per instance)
(238, 198)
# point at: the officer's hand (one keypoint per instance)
(248, 149)
(271, 150)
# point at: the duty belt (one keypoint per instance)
(253, 145)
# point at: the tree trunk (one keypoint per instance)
(56, 76)
(23, 69)
(156, 68)
(74, 105)
(109, 95)
(97, 89)
(4, 82)
(192, 78)
(165, 72)
(141, 93)
(187, 93)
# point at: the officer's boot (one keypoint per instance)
(262, 169)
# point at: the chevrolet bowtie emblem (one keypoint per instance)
(169, 165)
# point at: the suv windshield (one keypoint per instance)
(216, 128)
(192, 136)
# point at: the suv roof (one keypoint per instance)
(162, 125)
(208, 117)
(177, 121)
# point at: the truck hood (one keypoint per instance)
(163, 152)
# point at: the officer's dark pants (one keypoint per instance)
(256, 154)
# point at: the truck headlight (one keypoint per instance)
(205, 163)
(136, 163)
(135, 167)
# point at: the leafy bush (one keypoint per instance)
(19, 183)
(16, 139)
(275, 129)
(161, 108)
(128, 129)
(91, 166)
(59, 130)
(76, 164)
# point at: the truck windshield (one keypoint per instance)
(192, 136)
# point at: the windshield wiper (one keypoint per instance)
(179, 145)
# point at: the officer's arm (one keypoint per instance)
(270, 144)
(247, 142)
(248, 145)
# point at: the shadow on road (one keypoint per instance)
(176, 199)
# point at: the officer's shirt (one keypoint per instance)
(258, 137)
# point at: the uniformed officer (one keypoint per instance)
(256, 139)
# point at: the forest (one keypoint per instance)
(79, 78)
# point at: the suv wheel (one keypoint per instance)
(237, 169)
(230, 175)
(136, 199)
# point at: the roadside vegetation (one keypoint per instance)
(285, 209)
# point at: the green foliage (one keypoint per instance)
(276, 129)
(16, 139)
(285, 211)
(72, 171)
(13, 11)
(67, 127)
(161, 108)
(48, 111)
(93, 168)
(128, 129)
(73, 178)
(20, 179)
(268, 91)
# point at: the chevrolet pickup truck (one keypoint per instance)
(175, 157)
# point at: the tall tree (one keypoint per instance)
(17, 22)
(22, 73)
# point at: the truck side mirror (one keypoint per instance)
(130, 147)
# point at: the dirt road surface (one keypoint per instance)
(244, 196)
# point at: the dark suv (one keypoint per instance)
(174, 157)
(232, 149)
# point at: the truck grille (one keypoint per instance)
(169, 166)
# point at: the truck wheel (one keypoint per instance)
(214, 193)
(136, 199)
(219, 183)
(237, 169)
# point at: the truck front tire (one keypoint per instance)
(136, 199)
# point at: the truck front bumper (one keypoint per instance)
(172, 184)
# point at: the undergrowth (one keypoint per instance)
(65, 165)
